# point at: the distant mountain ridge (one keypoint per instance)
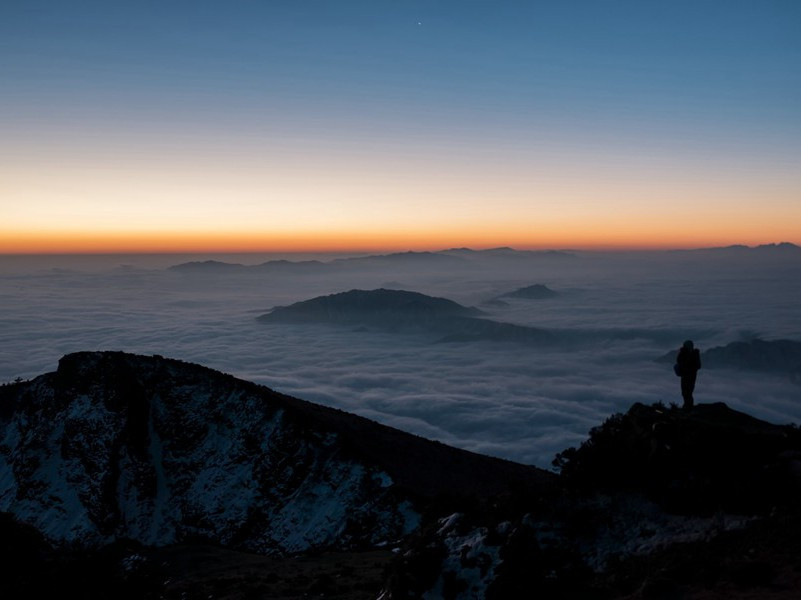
(274, 266)
(451, 258)
(781, 248)
(448, 258)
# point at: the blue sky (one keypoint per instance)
(673, 85)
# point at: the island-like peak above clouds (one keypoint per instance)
(403, 311)
(774, 356)
(768, 356)
(537, 291)
(381, 305)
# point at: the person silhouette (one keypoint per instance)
(688, 361)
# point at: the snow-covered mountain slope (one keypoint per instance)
(115, 445)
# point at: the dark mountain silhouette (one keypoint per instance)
(507, 253)
(403, 311)
(537, 291)
(296, 266)
(272, 266)
(143, 477)
(454, 258)
(770, 356)
(780, 249)
(709, 459)
(208, 266)
(400, 261)
(777, 356)
(389, 308)
(657, 503)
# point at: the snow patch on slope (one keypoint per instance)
(470, 559)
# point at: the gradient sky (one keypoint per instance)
(295, 125)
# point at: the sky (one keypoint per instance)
(179, 126)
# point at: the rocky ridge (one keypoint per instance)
(144, 477)
(116, 446)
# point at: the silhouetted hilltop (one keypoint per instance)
(537, 291)
(657, 503)
(387, 308)
(404, 311)
(709, 459)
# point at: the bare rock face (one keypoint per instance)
(118, 446)
(121, 446)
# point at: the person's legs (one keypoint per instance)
(687, 388)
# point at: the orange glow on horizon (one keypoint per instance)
(87, 204)
(166, 242)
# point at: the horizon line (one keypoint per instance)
(608, 248)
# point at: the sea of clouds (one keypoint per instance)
(616, 312)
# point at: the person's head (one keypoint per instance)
(688, 344)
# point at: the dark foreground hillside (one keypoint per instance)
(142, 477)
(657, 503)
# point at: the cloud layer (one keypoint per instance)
(619, 313)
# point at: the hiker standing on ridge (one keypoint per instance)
(688, 361)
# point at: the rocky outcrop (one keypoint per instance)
(115, 446)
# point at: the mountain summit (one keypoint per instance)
(142, 477)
